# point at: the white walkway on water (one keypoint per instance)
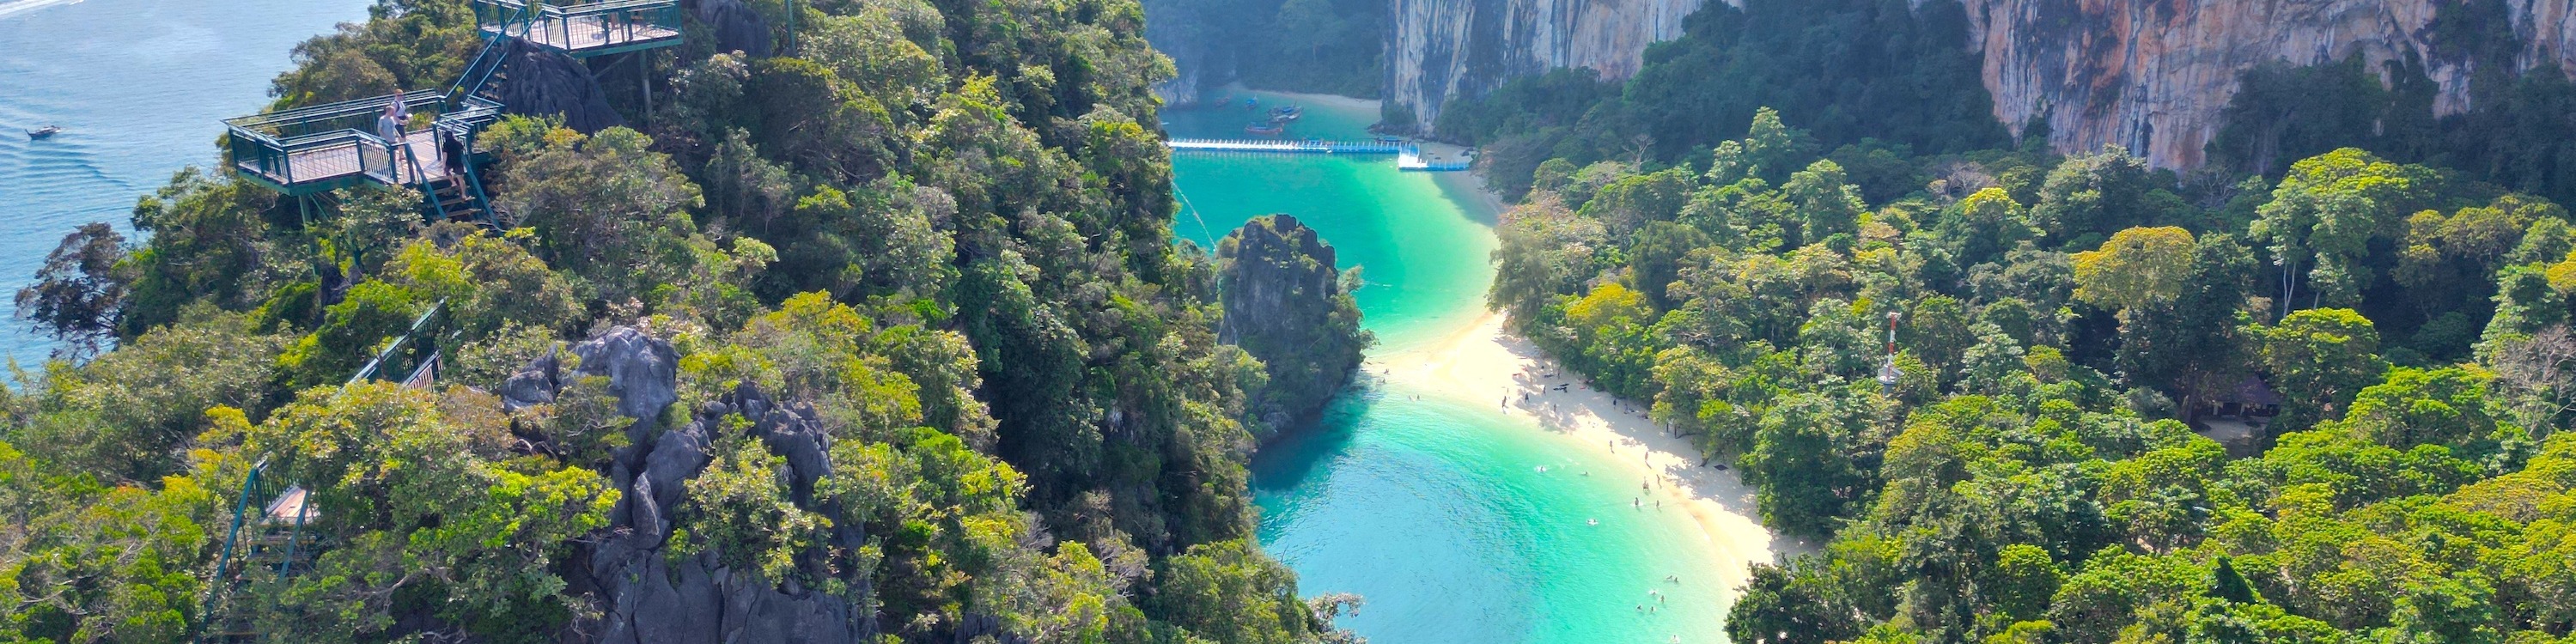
(1284, 147)
(1409, 157)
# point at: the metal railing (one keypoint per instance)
(583, 29)
(334, 141)
(410, 356)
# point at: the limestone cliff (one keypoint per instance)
(1444, 48)
(1285, 304)
(2153, 75)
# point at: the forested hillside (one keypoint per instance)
(2039, 460)
(1323, 46)
(882, 336)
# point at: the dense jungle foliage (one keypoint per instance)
(2061, 453)
(1875, 80)
(1320, 46)
(943, 224)
(2032, 471)
(2520, 130)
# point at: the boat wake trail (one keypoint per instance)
(22, 6)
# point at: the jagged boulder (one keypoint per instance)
(643, 372)
(549, 83)
(735, 25)
(646, 593)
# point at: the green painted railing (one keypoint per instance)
(411, 358)
(338, 142)
(267, 145)
(583, 29)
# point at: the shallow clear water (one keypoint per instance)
(140, 88)
(1430, 503)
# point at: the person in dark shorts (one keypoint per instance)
(451, 149)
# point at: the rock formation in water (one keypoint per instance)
(1285, 304)
(1444, 48)
(648, 593)
(2152, 75)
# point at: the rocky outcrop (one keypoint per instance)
(549, 83)
(2154, 75)
(1444, 48)
(1284, 304)
(735, 25)
(648, 594)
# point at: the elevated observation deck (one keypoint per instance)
(326, 147)
(583, 30)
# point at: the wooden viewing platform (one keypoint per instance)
(583, 30)
(355, 154)
(326, 147)
(1282, 147)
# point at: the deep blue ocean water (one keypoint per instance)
(140, 88)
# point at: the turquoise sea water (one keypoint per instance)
(140, 88)
(1430, 503)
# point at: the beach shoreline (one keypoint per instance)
(1486, 361)
(1334, 101)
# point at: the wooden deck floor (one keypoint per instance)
(333, 162)
(591, 32)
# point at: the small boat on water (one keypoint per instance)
(1265, 129)
(43, 132)
(1286, 114)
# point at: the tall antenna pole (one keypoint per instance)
(1888, 374)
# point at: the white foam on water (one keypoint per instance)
(22, 6)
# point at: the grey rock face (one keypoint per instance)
(2156, 75)
(649, 596)
(547, 83)
(737, 27)
(1445, 48)
(642, 370)
(1284, 304)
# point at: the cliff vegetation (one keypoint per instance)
(2329, 408)
(870, 331)
(1317, 46)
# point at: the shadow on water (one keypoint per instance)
(1288, 460)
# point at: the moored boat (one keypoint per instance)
(1265, 129)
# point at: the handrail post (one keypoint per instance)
(216, 586)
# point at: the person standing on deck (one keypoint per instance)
(451, 149)
(402, 113)
(389, 125)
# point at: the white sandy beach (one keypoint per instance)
(1485, 361)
